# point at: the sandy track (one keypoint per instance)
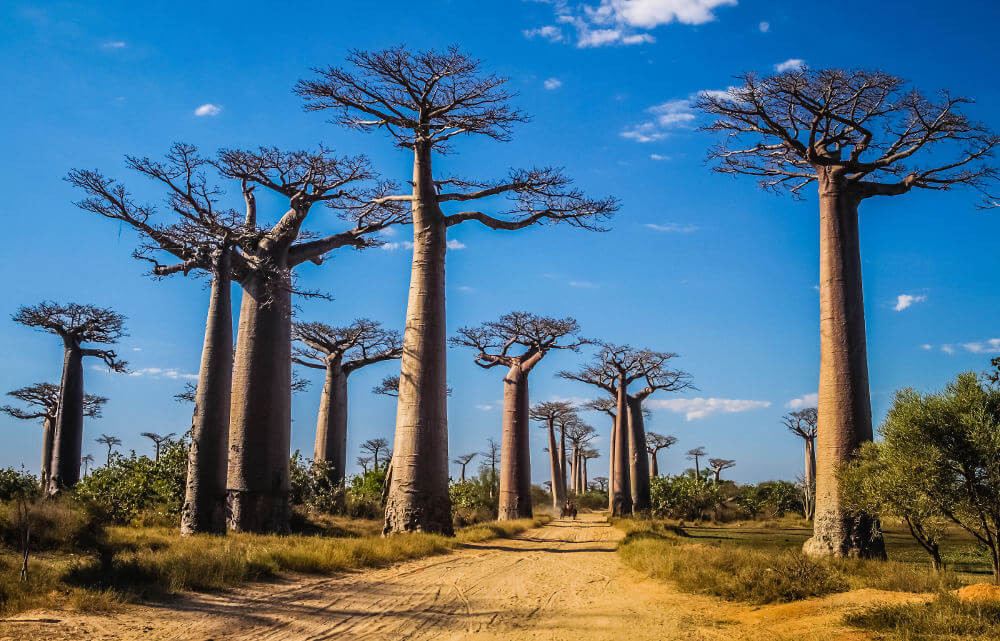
(562, 581)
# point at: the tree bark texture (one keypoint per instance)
(68, 439)
(558, 495)
(612, 464)
(810, 476)
(48, 435)
(204, 509)
(257, 483)
(418, 498)
(638, 462)
(621, 495)
(654, 469)
(515, 451)
(844, 405)
(331, 424)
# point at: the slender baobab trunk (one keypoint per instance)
(331, 424)
(558, 494)
(48, 432)
(638, 463)
(654, 469)
(257, 485)
(205, 494)
(583, 476)
(612, 463)
(67, 444)
(562, 458)
(845, 420)
(621, 496)
(810, 477)
(515, 452)
(418, 498)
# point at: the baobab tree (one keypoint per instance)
(654, 443)
(200, 238)
(717, 465)
(86, 462)
(694, 454)
(111, 442)
(551, 414)
(340, 351)
(586, 455)
(75, 324)
(613, 370)
(802, 423)
(388, 386)
(375, 446)
(609, 406)
(534, 337)
(260, 421)
(602, 483)
(43, 401)
(364, 461)
(464, 460)
(158, 441)
(492, 454)
(579, 435)
(425, 101)
(856, 134)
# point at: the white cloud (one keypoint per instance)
(454, 244)
(672, 227)
(485, 408)
(115, 44)
(790, 64)
(623, 22)
(991, 346)
(136, 349)
(948, 349)
(208, 109)
(764, 26)
(906, 300)
(161, 372)
(465, 288)
(695, 408)
(806, 400)
(408, 245)
(548, 32)
(552, 83)
(583, 284)
(926, 346)
(659, 157)
(672, 114)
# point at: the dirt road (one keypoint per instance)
(560, 582)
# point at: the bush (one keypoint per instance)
(311, 484)
(770, 499)
(945, 616)
(364, 494)
(683, 496)
(55, 524)
(476, 499)
(17, 484)
(592, 500)
(137, 489)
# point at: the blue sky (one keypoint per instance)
(697, 263)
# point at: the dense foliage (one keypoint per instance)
(770, 499)
(16, 484)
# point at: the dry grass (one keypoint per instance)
(135, 563)
(945, 617)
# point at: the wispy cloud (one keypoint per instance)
(806, 400)
(623, 22)
(672, 114)
(583, 284)
(926, 346)
(455, 244)
(672, 227)
(695, 408)
(658, 157)
(552, 83)
(485, 408)
(906, 300)
(764, 26)
(788, 65)
(990, 346)
(208, 109)
(465, 288)
(408, 245)
(114, 44)
(948, 349)
(163, 372)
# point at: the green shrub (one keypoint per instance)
(683, 496)
(55, 524)
(476, 499)
(770, 499)
(592, 500)
(364, 494)
(312, 486)
(17, 483)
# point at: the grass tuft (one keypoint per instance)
(945, 616)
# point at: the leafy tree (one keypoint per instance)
(719, 464)
(683, 496)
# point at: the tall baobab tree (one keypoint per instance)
(492, 454)
(602, 483)
(579, 435)
(717, 465)
(614, 369)
(856, 134)
(654, 443)
(609, 405)
(86, 461)
(533, 336)
(802, 423)
(551, 414)
(375, 446)
(585, 456)
(425, 101)
(75, 325)
(364, 461)
(201, 238)
(158, 441)
(695, 454)
(464, 460)
(260, 421)
(43, 401)
(340, 351)
(111, 442)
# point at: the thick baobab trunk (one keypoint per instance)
(205, 493)
(48, 433)
(845, 420)
(331, 424)
(654, 469)
(418, 498)
(257, 486)
(621, 496)
(562, 458)
(558, 492)
(638, 463)
(68, 439)
(810, 477)
(515, 452)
